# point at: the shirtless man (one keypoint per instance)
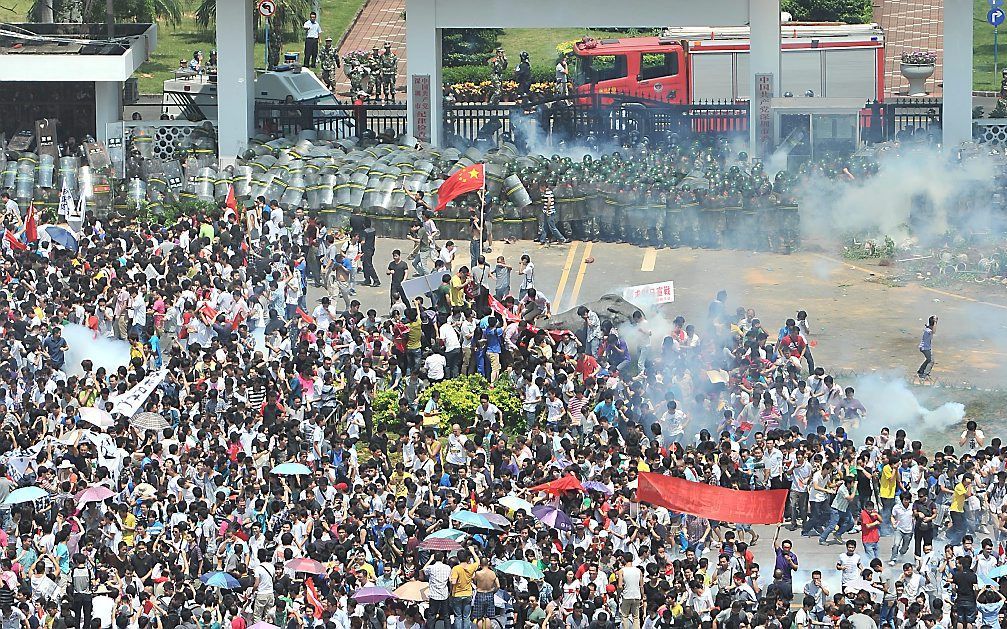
(487, 583)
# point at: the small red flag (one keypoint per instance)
(465, 180)
(208, 312)
(238, 318)
(14, 243)
(232, 201)
(311, 595)
(307, 318)
(31, 225)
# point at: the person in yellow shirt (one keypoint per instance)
(963, 491)
(461, 586)
(886, 491)
(458, 282)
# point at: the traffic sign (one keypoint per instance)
(996, 16)
(267, 8)
(995, 3)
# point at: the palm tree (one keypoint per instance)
(169, 11)
(289, 16)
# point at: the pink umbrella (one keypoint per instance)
(262, 624)
(304, 564)
(372, 595)
(95, 493)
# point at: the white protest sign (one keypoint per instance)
(421, 285)
(130, 402)
(659, 293)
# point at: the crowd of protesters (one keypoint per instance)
(203, 531)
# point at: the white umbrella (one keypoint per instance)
(96, 417)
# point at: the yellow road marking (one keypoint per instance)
(649, 260)
(580, 273)
(565, 275)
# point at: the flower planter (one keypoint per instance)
(917, 75)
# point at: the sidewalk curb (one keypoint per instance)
(353, 24)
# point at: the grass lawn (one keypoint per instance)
(179, 42)
(984, 77)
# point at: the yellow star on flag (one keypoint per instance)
(474, 172)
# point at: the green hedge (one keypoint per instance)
(480, 73)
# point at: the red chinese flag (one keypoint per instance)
(712, 502)
(232, 201)
(14, 243)
(31, 225)
(466, 180)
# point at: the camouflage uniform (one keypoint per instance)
(389, 69)
(358, 73)
(329, 60)
(498, 65)
(373, 65)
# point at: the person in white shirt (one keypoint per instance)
(849, 563)
(435, 365)
(452, 349)
(312, 31)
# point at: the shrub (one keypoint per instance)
(385, 407)
(460, 396)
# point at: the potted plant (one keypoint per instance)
(918, 66)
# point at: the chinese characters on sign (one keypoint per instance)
(764, 101)
(419, 95)
(660, 293)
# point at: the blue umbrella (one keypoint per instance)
(25, 494)
(468, 518)
(219, 580)
(63, 237)
(454, 534)
(291, 469)
(520, 568)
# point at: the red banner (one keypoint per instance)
(712, 502)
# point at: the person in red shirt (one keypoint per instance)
(793, 346)
(870, 529)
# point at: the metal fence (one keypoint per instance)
(341, 121)
(901, 119)
(557, 119)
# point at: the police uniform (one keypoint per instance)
(389, 67)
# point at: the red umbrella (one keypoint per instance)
(304, 564)
(440, 543)
(560, 485)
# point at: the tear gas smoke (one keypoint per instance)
(101, 351)
(917, 195)
(890, 402)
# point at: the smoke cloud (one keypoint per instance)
(890, 402)
(917, 195)
(103, 352)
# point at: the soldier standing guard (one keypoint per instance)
(373, 65)
(498, 65)
(356, 71)
(522, 74)
(329, 60)
(389, 69)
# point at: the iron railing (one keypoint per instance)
(902, 119)
(608, 116)
(604, 116)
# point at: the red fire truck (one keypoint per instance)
(687, 65)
